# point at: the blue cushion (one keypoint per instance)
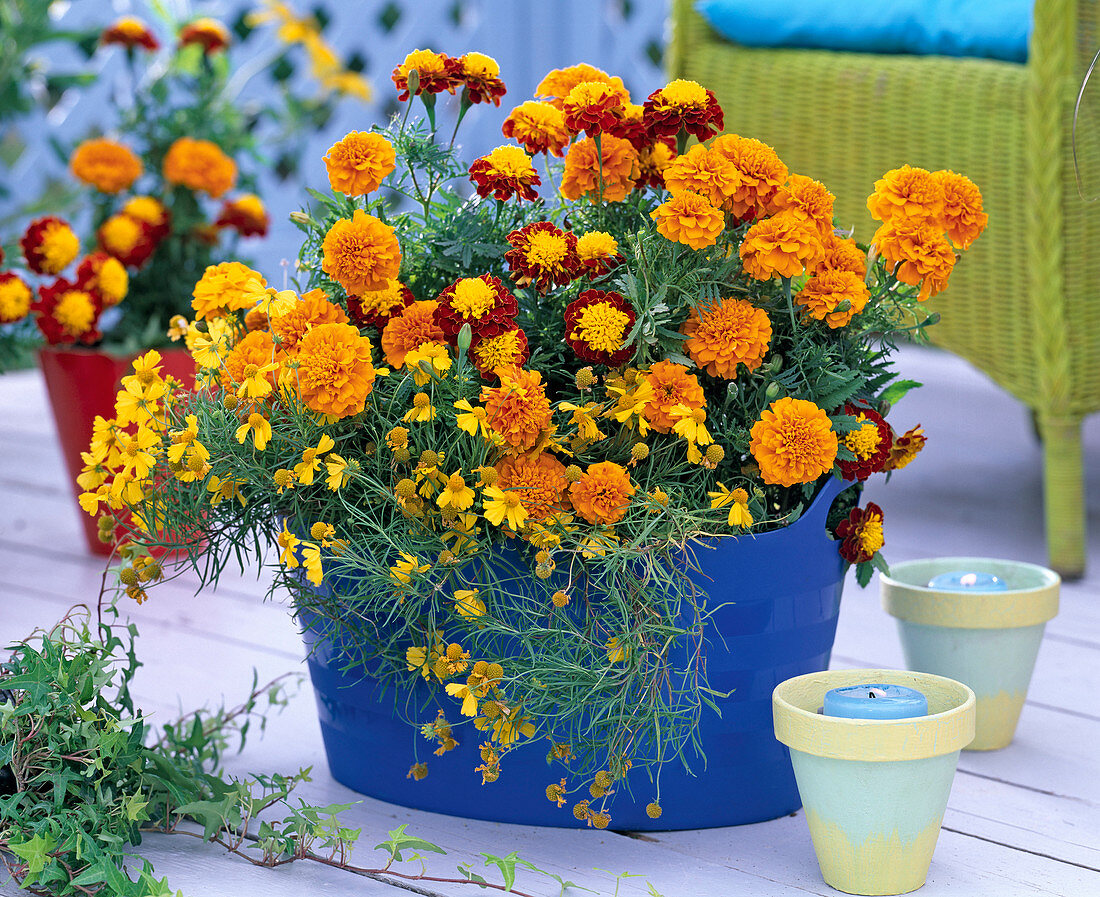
(992, 29)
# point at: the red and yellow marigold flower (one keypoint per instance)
(15, 298)
(620, 170)
(811, 199)
(690, 219)
(629, 124)
(870, 442)
(225, 287)
(905, 448)
(785, 244)
(910, 194)
(152, 211)
(671, 385)
(598, 252)
(793, 442)
(499, 346)
(597, 324)
(538, 128)
(108, 166)
(358, 163)
(480, 76)
(49, 245)
(67, 314)
(920, 254)
(477, 301)
(208, 33)
(128, 239)
(538, 480)
(833, 296)
(558, 84)
(683, 106)
(725, 333)
(517, 410)
(962, 208)
(602, 494)
(505, 172)
(860, 534)
(290, 325)
(701, 171)
(410, 330)
(246, 214)
(105, 275)
(542, 255)
(376, 307)
(255, 352)
(361, 253)
(841, 254)
(129, 31)
(335, 374)
(201, 166)
(762, 174)
(591, 107)
(653, 161)
(436, 72)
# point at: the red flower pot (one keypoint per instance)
(82, 384)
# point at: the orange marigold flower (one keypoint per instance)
(591, 107)
(762, 174)
(66, 314)
(129, 31)
(597, 324)
(557, 85)
(598, 252)
(481, 77)
(683, 106)
(542, 255)
(672, 385)
(505, 172)
(437, 72)
(359, 163)
(224, 288)
(912, 194)
(841, 254)
(582, 173)
(477, 301)
(209, 33)
(920, 253)
(785, 244)
(518, 409)
(108, 166)
(49, 245)
(335, 373)
(653, 161)
(246, 214)
(105, 275)
(128, 239)
(904, 449)
(962, 208)
(805, 196)
(860, 534)
(701, 171)
(793, 442)
(152, 211)
(870, 443)
(537, 127)
(539, 481)
(498, 346)
(828, 289)
(15, 298)
(376, 307)
(256, 350)
(603, 493)
(361, 253)
(313, 310)
(725, 333)
(690, 219)
(410, 330)
(201, 166)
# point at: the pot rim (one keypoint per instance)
(1011, 609)
(945, 731)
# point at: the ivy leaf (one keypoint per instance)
(399, 841)
(34, 853)
(506, 865)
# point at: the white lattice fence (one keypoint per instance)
(527, 37)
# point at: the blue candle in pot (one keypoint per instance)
(875, 702)
(968, 581)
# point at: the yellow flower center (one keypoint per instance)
(59, 246)
(870, 535)
(473, 297)
(596, 245)
(384, 300)
(510, 161)
(863, 442)
(145, 208)
(601, 326)
(478, 65)
(112, 279)
(456, 483)
(15, 300)
(424, 61)
(121, 233)
(75, 311)
(684, 93)
(498, 351)
(250, 205)
(421, 400)
(546, 250)
(588, 92)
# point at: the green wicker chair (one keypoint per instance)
(1023, 306)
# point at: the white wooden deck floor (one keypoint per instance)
(1025, 820)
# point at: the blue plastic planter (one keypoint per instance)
(781, 592)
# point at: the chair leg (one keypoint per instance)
(1064, 493)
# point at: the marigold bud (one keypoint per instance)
(465, 337)
(715, 454)
(105, 524)
(772, 392)
(653, 810)
(106, 536)
(573, 474)
(585, 379)
(300, 217)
